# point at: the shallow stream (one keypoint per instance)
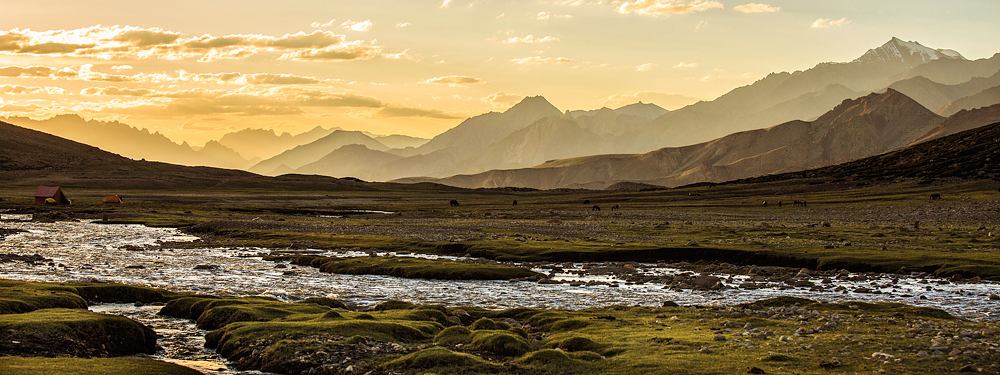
(88, 252)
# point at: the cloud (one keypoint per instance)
(502, 99)
(645, 67)
(356, 50)
(118, 42)
(541, 60)
(25, 90)
(756, 8)
(122, 67)
(667, 7)
(543, 16)
(445, 3)
(686, 65)
(455, 81)
(530, 39)
(36, 71)
(394, 111)
(668, 101)
(825, 23)
(324, 24)
(365, 25)
(403, 24)
(701, 24)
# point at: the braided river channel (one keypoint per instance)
(82, 251)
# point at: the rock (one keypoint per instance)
(830, 364)
(967, 368)
(882, 356)
(455, 319)
(210, 267)
(863, 290)
(670, 304)
(460, 312)
(993, 297)
(803, 273)
(707, 282)
(755, 370)
(763, 224)
(692, 243)
(719, 338)
(135, 267)
(825, 224)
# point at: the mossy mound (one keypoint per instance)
(569, 325)
(577, 344)
(74, 332)
(488, 324)
(439, 269)
(499, 342)
(453, 336)
(18, 297)
(547, 357)
(328, 302)
(435, 358)
(394, 305)
(212, 313)
(93, 366)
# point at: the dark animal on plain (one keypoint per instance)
(515, 203)
(796, 203)
(765, 203)
(614, 208)
(935, 196)
(803, 203)
(595, 208)
(779, 203)
(586, 201)
(453, 202)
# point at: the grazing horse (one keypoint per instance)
(454, 203)
(935, 196)
(614, 208)
(515, 204)
(595, 208)
(587, 201)
(765, 203)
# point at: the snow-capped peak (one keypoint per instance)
(907, 52)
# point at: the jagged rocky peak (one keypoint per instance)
(909, 52)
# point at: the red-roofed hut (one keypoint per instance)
(50, 192)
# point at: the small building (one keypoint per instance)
(54, 193)
(112, 199)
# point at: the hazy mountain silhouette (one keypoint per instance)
(311, 152)
(29, 157)
(264, 144)
(132, 142)
(981, 99)
(647, 111)
(352, 160)
(936, 96)
(401, 141)
(858, 128)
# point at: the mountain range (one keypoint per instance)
(891, 96)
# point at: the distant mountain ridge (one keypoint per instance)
(133, 142)
(855, 129)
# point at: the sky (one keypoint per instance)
(195, 70)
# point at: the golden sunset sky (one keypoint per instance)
(195, 70)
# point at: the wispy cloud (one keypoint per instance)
(26, 90)
(530, 39)
(826, 23)
(544, 16)
(502, 99)
(645, 67)
(323, 24)
(686, 65)
(445, 3)
(541, 60)
(756, 8)
(662, 8)
(403, 24)
(365, 25)
(129, 42)
(454, 81)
